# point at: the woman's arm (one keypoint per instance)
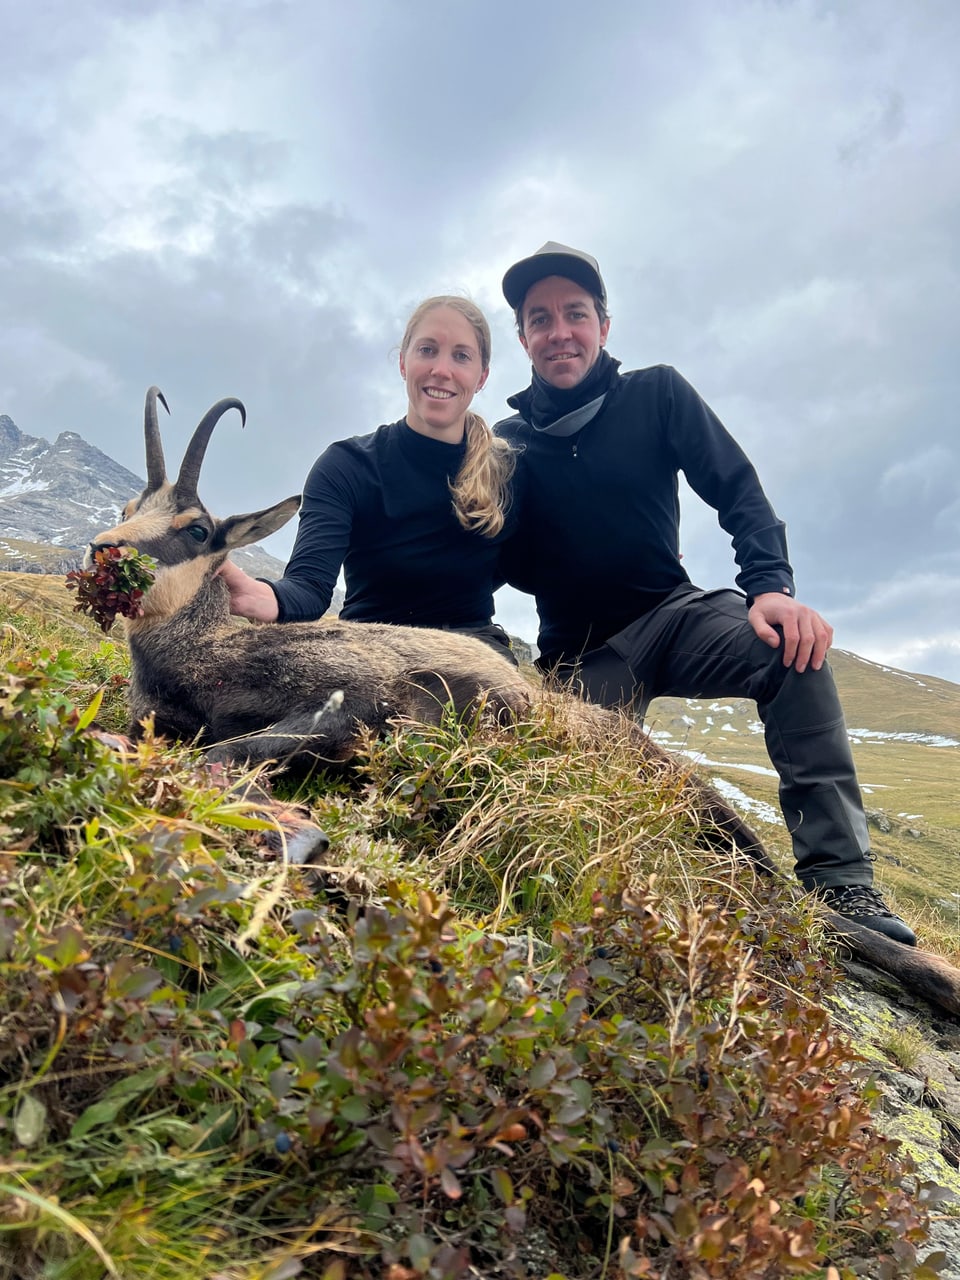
(330, 497)
(249, 597)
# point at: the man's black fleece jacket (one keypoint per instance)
(598, 537)
(380, 506)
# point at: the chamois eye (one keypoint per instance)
(197, 532)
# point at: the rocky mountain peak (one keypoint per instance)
(10, 433)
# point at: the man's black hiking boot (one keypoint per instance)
(864, 904)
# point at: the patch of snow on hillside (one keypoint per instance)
(95, 508)
(904, 676)
(727, 728)
(701, 761)
(890, 671)
(765, 812)
(18, 486)
(924, 739)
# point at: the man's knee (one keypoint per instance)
(807, 699)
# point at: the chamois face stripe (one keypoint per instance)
(145, 527)
(144, 518)
(192, 515)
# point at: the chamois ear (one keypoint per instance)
(240, 531)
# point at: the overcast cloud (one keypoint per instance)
(247, 199)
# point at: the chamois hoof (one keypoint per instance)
(295, 836)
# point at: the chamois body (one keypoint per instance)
(277, 691)
(272, 691)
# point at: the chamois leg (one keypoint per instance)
(428, 693)
(292, 835)
(292, 830)
(928, 975)
(328, 735)
(590, 722)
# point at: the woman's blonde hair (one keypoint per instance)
(481, 488)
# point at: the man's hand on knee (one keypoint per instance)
(806, 636)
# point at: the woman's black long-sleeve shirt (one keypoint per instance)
(380, 506)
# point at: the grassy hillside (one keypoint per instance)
(37, 557)
(896, 701)
(527, 1019)
(41, 594)
(902, 727)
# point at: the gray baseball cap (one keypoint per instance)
(553, 259)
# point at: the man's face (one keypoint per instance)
(562, 333)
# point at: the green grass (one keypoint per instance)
(905, 1044)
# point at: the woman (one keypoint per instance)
(414, 512)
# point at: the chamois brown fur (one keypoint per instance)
(272, 692)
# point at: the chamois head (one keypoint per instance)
(170, 523)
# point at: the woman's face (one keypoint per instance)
(443, 370)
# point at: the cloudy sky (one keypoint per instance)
(246, 197)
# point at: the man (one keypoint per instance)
(599, 548)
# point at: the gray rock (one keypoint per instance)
(877, 818)
(920, 1104)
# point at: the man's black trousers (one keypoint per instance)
(699, 644)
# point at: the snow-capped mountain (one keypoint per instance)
(62, 494)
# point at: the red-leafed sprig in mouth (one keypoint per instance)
(114, 585)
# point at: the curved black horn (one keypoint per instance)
(156, 471)
(193, 458)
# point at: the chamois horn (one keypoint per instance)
(156, 471)
(186, 485)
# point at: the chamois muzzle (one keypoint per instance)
(96, 545)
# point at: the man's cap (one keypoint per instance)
(553, 259)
